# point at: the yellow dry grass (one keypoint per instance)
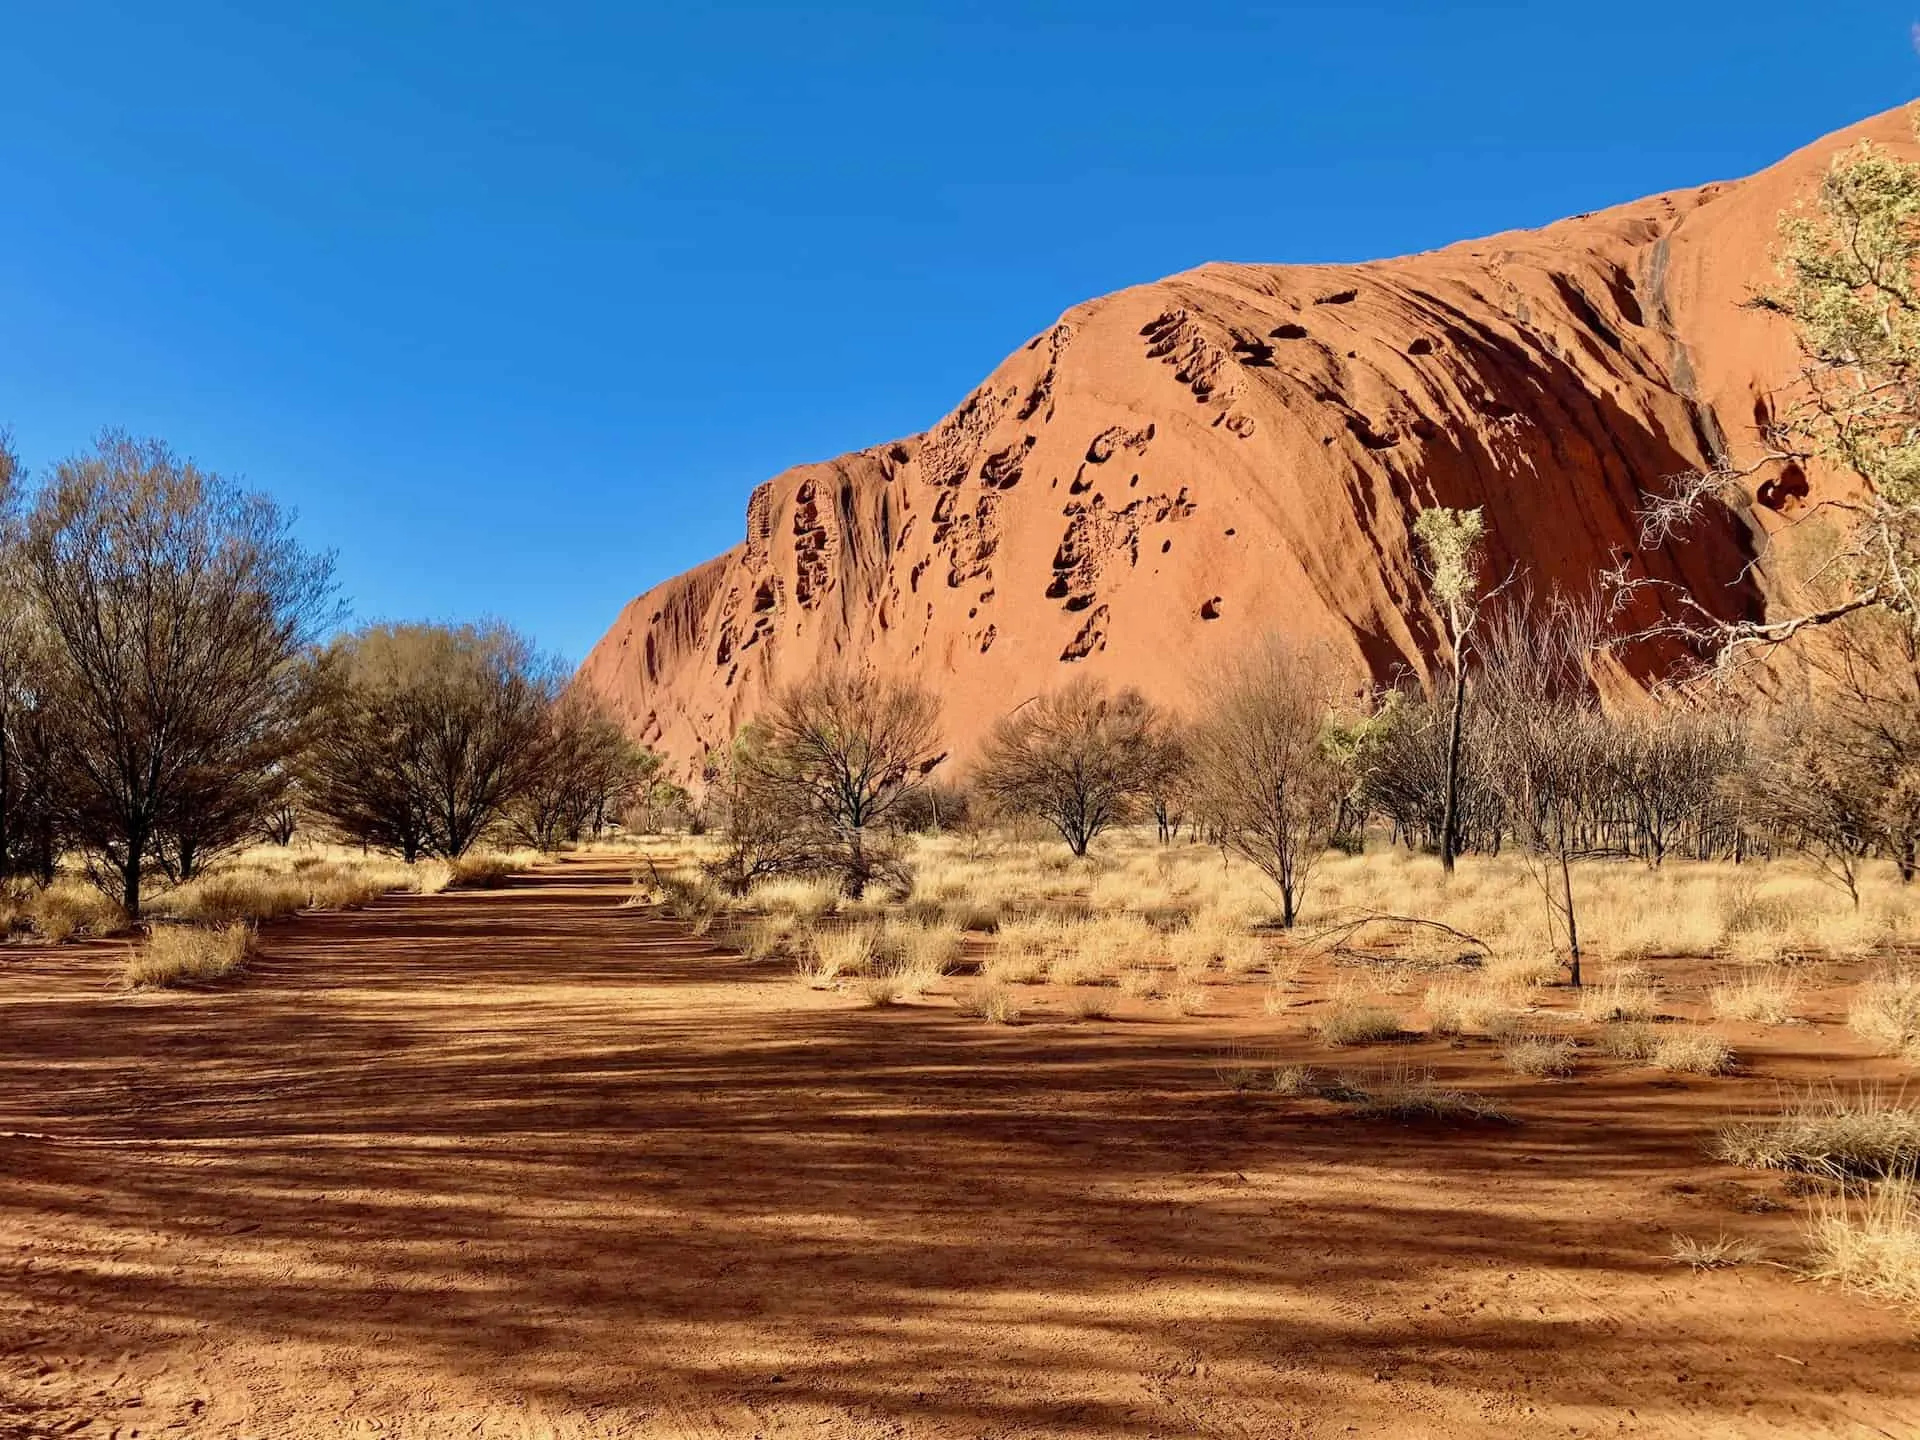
(187, 954)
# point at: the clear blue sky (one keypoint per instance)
(516, 303)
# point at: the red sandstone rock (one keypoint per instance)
(1172, 470)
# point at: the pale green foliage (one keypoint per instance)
(1451, 539)
(1850, 283)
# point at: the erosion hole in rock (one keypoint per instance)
(1785, 490)
(1210, 610)
(1289, 331)
(1422, 346)
(1337, 297)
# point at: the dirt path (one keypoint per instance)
(523, 1163)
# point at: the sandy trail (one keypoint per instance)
(524, 1163)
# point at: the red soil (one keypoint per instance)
(1171, 471)
(525, 1163)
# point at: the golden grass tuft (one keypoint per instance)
(1347, 1021)
(67, 908)
(1831, 1132)
(1092, 1004)
(994, 1003)
(1629, 1042)
(1886, 1013)
(1627, 994)
(1691, 1049)
(1408, 1094)
(187, 954)
(1541, 1055)
(1765, 996)
(1871, 1246)
(1187, 1000)
(1459, 1005)
(486, 869)
(831, 954)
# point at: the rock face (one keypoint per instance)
(1172, 471)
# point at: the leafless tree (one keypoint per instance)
(836, 754)
(177, 609)
(1550, 740)
(1081, 758)
(586, 772)
(433, 732)
(1265, 778)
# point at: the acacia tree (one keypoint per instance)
(835, 755)
(177, 609)
(433, 732)
(1850, 287)
(1081, 758)
(1265, 775)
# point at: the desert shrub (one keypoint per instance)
(1079, 758)
(1692, 1050)
(185, 954)
(882, 989)
(1766, 996)
(1142, 982)
(1828, 1132)
(1886, 1012)
(1872, 1246)
(1347, 1021)
(811, 787)
(1540, 1055)
(66, 908)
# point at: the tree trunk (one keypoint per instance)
(1573, 925)
(130, 884)
(1450, 813)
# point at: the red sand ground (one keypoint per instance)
(524, 1163)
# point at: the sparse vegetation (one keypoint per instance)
(1723, 1252)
